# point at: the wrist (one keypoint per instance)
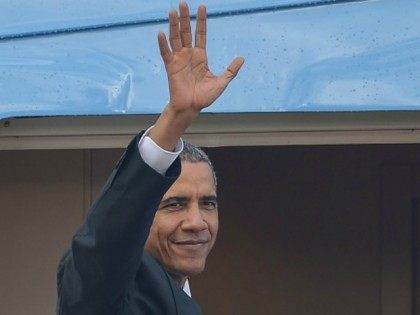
(182, 116)
(171, 125)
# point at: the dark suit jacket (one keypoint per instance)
(106, 270)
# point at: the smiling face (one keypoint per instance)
(185, 226)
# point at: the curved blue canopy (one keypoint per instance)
(92, 57)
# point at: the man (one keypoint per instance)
(149, 203)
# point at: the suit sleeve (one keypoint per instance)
(106, 251)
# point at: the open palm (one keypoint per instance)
(192, 86)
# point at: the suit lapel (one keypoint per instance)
(183, 303)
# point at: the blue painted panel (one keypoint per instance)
(353, 56)
(20, 17)
(24, 16)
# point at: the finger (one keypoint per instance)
(201, 27)
(165, 52)
(186, 37)
(174, 37)
(232, 70)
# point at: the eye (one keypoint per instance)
(209, 205)
(173, 206)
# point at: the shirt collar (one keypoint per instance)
(186, 288)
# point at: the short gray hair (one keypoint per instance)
(193, 154)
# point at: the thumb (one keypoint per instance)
(232, 70)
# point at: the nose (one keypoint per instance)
(194, 220)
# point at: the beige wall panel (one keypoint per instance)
(41, 202)
(103, 161)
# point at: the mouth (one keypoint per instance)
(191, 242)
(191, 245)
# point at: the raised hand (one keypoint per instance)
(192, 86)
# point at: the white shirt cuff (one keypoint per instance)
(156, 157)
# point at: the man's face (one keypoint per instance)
(185, 226)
